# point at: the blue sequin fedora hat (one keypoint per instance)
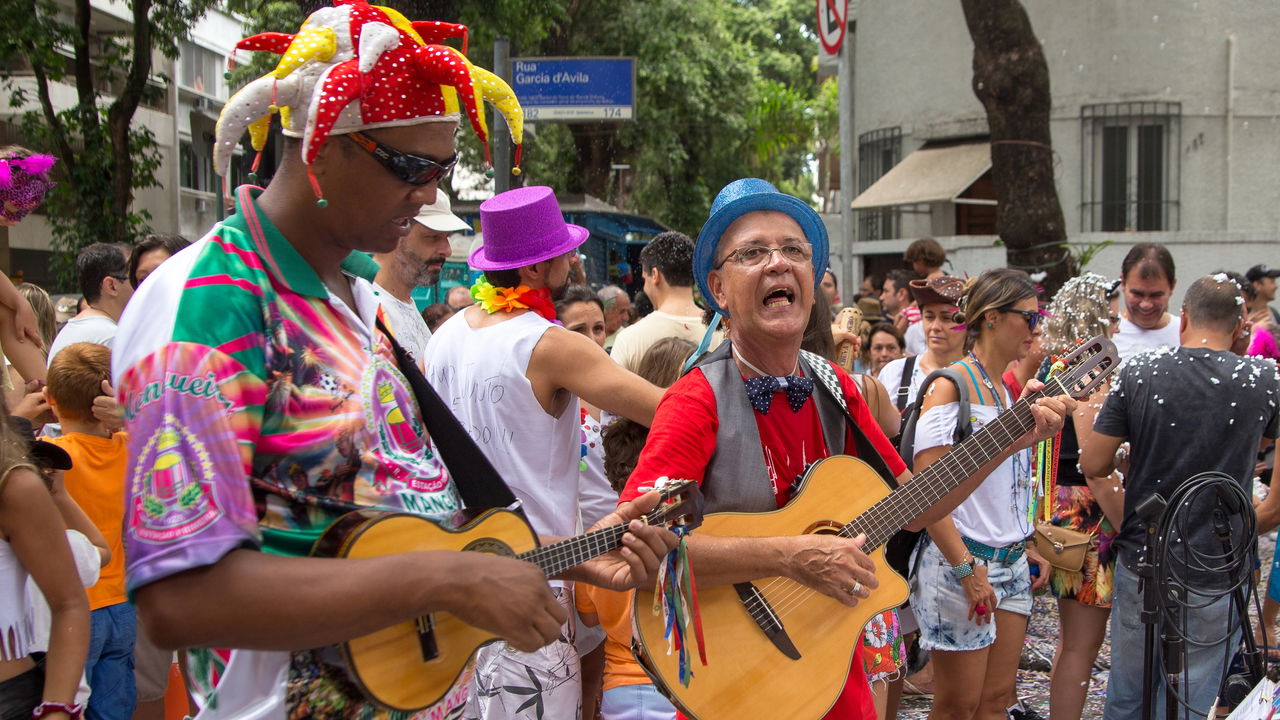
(749, 195)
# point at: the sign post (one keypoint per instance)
(575, 89)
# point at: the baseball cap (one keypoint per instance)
(439, 216)
(1257, 272)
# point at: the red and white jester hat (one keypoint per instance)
(356, 66)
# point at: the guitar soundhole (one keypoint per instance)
(824, 527)
(491, 546)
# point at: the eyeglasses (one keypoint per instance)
(1032, 317)
(412, 169)
(752, 255)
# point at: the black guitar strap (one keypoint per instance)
(831, 384)
(478, 483)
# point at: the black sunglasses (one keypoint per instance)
(412, 169)
(1032, 317)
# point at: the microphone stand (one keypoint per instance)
(1149, 512)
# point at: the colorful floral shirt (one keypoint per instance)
(260, 407)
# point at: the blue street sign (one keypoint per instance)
(575, 88)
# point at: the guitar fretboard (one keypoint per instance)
(560, 556)
(882, 520)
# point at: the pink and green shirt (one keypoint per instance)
(260, 408)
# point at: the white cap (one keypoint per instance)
(439, 216)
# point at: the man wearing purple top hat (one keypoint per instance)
(753, 415)
(513, 376)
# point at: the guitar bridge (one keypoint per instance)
(767, 620)
(426, 628)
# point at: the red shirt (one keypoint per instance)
(683, 438)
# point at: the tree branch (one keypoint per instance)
(120, 114)
(84, 67)
(65, 152)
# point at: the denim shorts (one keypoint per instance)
(942, 608)
(635, 702)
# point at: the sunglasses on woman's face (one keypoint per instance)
(1031, 316)
(409, 168)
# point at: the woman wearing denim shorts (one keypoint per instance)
(971, 591)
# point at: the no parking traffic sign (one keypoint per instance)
(833, 18)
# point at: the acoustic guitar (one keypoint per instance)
(413, 665)
(777, 648)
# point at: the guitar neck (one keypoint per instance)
(882, 520)
(560, 556)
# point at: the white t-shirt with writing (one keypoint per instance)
(406, 323)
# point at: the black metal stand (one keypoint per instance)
(1171, 594)
(1149, 513)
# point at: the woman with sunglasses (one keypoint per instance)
(971, 591)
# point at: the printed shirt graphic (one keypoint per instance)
(259, 407)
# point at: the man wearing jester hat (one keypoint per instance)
(259, 385)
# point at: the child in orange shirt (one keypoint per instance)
(97, 483)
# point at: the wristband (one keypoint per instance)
(963, 570)
(45, 708)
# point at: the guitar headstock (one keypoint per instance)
(1087, 367)
(681, 504)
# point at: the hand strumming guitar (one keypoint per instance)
(505, 596)
(636, 562)
(832, 565)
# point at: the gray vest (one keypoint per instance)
(737, 479)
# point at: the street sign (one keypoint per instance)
(833, 18)
(575, 89)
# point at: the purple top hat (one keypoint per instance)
(522, 227)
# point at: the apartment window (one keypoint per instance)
(195, 172)
(878, 151)
(200, 69)
(1130, 175)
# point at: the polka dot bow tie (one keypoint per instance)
(761, 389)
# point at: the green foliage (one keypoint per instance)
(1085, 255)
(725, 89)
(262, 16)
(826, 115)
(103, 156)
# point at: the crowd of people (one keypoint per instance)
(177, 448)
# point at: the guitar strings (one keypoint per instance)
(800, 593)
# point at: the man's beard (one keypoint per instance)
(424, 271)
(557, 293)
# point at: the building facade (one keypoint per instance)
(1165, 126)
(187, 201)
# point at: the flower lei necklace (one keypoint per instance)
(506, 299)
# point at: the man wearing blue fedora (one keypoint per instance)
(752, 416)
(513, 376)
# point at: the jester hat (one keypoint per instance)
(356, 66)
